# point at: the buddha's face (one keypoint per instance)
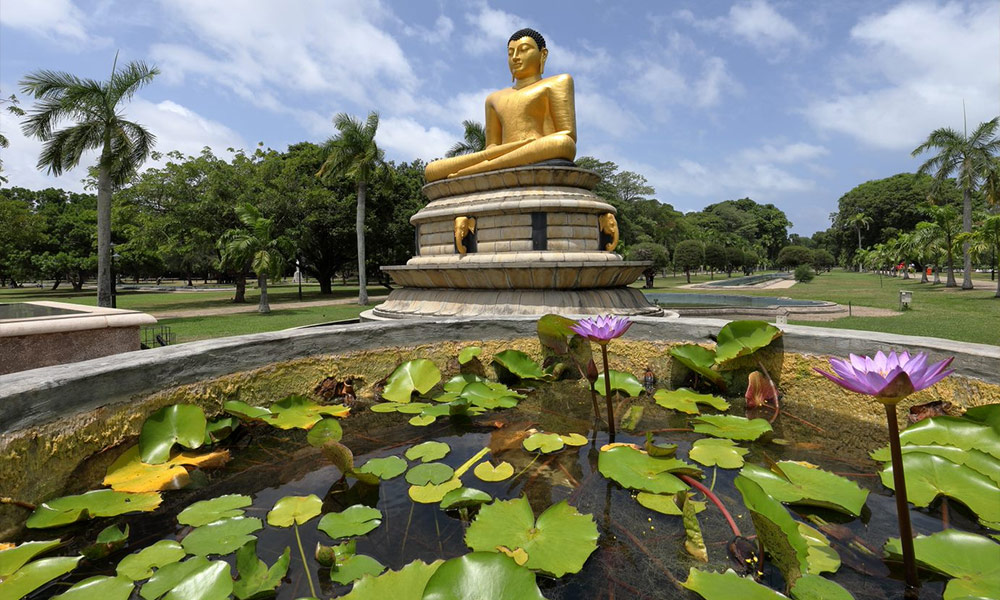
(525, 59)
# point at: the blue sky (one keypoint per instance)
(787, 102)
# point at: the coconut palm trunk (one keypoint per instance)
(967, 228)
(104, 283)
(360, 225)
(263, 307)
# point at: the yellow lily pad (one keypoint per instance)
(432, 494)
(487, 472)
(130, 474)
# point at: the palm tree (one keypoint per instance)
(475, 140)
(857, 222)
(99, 125)
(946, 228)
(972, 157)
(255, 246)
(985, 240)
(353, 154)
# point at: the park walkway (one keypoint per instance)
(252, 308)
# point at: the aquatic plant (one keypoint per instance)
(889, 379)
(603, 329)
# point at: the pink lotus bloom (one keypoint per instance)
(889, 378)
(602, 329)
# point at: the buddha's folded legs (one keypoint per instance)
(557, 145)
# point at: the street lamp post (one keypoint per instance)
(114, 280)
(298, 272)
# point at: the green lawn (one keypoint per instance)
(189, 329)
(950, 313)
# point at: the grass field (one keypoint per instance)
(950, 313)
(937, 311)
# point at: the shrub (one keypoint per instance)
(803, 274)
(793, 256)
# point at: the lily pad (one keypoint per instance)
(464, 497)
(630, 420)
(468, 353)
(820, 556)
(384, 468)
(292, 412)
(658, 450)
(519, 364)
(256, 578)
(456, 384)
(973, 561)
(700, 360)
(742, 338)
(686, 400)
(573, 439)
(327, 430)
(169, 576)
(623, 382)
(14, 558)
(431, 493)
(816, 587)
(407, 583)
(421, 420)
(801, 483)
(412, 408)
(352, 521)
(714, 452)
(731, 427)
(694, 541)
(543, 442)
(221, 537)
(130, 474)
(559, 542)
(35, 574)
(355, 567)
(928, 476)
(489, 396)
(728, 585)
(212, 581)
(638, 471)
(433, 473)
(140, 565)
(487, 472)
(206, 511)
(100, 586)
(294, 510)
(666, 503)
(428, 451)
(385, 407)
(974, 459)
(987, 414)
(952, 431)
(776, 529)
(182, 424)
(418, 375)
(111, 539)
(554, 332)
(219, 429)
(96, 503)
(482, 575)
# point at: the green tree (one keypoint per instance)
(354, 155)
(649, 251)
(985, 241)
(474, 140)
(17, 111)
(823, 259)
(971, 157)
(945, 227)
(859, 221)
(793, 256)
(94, 106)
(257, 246)
(715, 257)
(689, 254)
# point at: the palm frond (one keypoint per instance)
(125, 82)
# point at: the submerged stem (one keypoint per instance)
(715, 500)
(607, 391)
(305, 565)
(902, 507)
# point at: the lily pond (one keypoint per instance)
(501, 480)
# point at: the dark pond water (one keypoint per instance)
(23, 310)
(640, 553)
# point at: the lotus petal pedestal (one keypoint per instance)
(537, 249)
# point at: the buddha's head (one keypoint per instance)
(526, 54)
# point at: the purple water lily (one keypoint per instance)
(602, 329)
(888, 378)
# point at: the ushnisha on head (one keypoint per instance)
(526, 54)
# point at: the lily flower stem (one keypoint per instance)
(774, 388)
(30, 506)
(607, 392)
(715, 500)
(305, 565)
(902, 507)
(593, 399)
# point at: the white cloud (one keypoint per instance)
(661, 85)
(175, 127)
(441, 31)
(598, 112)
(789, 153)
(333, 48)
(407, 139)
(909, 72)
(492, 27)
(53, 19)
(756, 23)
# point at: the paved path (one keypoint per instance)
(250, 308)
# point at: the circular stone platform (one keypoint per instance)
(537, 248)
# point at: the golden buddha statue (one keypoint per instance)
(532, 121)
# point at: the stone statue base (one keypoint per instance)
(537, 248)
